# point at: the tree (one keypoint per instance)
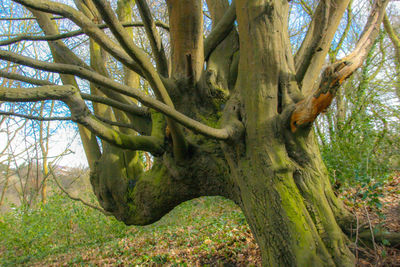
(394, 38)
(230, 114)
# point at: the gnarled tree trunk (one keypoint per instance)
(239, 126)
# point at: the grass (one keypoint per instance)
(208, 231)
(205, 231)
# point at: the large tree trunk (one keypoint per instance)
(282, 183)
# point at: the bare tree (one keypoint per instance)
(230, 114)
(394, 37)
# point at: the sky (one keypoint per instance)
(64, 141)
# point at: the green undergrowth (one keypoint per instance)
(208, 230)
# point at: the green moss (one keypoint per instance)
(212, 120)
(158, 124)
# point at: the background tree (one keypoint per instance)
(227, 115)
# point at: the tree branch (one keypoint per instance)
(27, 18)
(220, 134)
(306, 8)
(154, 38)
(392, 35)
(40, 118)
(82, 115)
(133, 51)
(54, 37)
(396, 43)
(333, 52)
(311, 55)
(131, 108)
(179, 142)
(19, 77)
(114, 123)
(62, 54)
(76, 198)
(89, 27)
(220, 31)
(307, 110)
(37, 118)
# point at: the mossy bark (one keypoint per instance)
(283, 187)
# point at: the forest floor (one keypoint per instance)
(376, 206)
(209, 231)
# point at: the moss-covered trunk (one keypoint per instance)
(289, 204)
(282, 183)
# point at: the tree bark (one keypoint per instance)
(283, 188)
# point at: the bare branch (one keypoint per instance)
(154, 37)
(221, 134)
(393, 36)
(89, 27)
(131, 108)
(37, 118)
(333, 52)
(179, 142)
(28, 18)
(114, 123)
(82, 115)
(19, 77)
(76, 198)
(133, 51)
(220, 31)
(312, 53)
(307, 110)
(30, 37)
(306, 7)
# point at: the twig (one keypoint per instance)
(355, 243)
(372, 232)
(28, 18)
(38, 118)
(76, 198)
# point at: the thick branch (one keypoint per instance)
(333, 52)
(312, 53)
(220, 31)
(186, 39)
(134, 51)
(154, 37)
(132, 109)
(221, 134)
(307, 110)
(179, 142)
(89, 27)
(82, 115)
(54, 37)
